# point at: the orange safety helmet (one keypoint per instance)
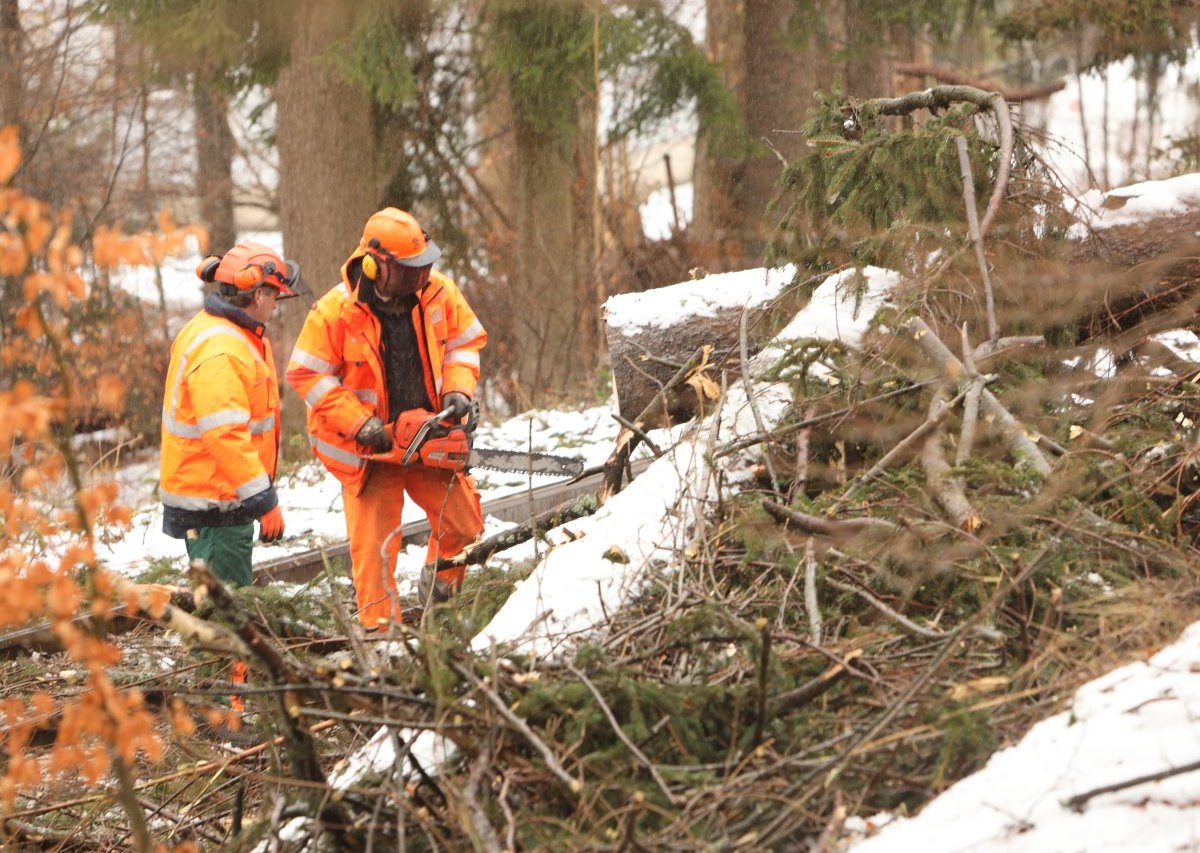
(394, 235)
(248, 265)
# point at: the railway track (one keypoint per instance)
(306, 565)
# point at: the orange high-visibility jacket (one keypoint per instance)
(220, 422)
(338, 370)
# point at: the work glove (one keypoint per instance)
(374, 435)
(270, 525)
(458, 403)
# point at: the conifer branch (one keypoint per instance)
(940, 98)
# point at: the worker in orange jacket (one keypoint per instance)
(394, 335)
(220, 421)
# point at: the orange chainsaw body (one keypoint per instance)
(421, 437)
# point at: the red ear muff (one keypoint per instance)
(247, 277)
(252, 275)
(207, 269)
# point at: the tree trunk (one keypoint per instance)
(549, 177)
(214, 154)
(327, 162)
(768, 54)
(11, 48)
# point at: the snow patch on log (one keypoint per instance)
(665, 307)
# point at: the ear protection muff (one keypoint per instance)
(374, 256)
(252, 275)
(370, 267)
(207, 269)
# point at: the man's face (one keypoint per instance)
(398, 280)
(263, 305)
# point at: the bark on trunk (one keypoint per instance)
(768, 56)
(327, 162)
(11, 47)
(542, 162)
(214, 155)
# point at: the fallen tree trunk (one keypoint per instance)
(480, 551)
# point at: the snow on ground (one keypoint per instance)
(312, 501)
(1136, 721)
(1138, 202)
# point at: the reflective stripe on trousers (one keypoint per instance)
(449, 500)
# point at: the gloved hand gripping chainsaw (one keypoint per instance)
(421, 437)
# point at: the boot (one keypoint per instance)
(432, 589)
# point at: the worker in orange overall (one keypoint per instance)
(395, 335)
(220, 419)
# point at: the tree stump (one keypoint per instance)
(652, 334)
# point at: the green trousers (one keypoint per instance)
(226, 550)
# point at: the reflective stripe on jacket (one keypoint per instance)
(337, 367)
(220, 422)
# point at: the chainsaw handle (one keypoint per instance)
(435, 427)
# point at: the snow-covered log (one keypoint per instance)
(650, 334)
(643, 531)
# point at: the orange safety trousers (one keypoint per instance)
(451, 503)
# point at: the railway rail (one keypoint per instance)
(521, 506)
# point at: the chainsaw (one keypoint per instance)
(421, 437)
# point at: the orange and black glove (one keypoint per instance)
(458, 403)
(374, 434)
(270, 525)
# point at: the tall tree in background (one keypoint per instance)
(327, 159)
(543, 60)
(543, 66)
(774, 55)
(771, 59)
(214, 157)
(11, 45)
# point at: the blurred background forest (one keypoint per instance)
(525, 135)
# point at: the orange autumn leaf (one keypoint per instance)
(133, 601)
(10, 152)
(42, 703)
(110, 392)
(160, 597)
(95, 765)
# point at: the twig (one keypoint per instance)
(1078, 801)
(485, 834)
(989, 348)
(573, 785)
(1023, 447)
(901, 620)
(964, 162)
(764, 672)
(627, 440)
(970, 415)
(479, 552)
(811, 604)
(639, 432)
(937, 414)
(750, 441)
(787, 702)
(946, 489)
(946, 74)
(836, 529)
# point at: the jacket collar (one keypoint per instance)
(216, 305)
